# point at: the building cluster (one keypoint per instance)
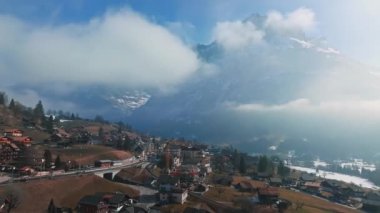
(186, 167)
(103, 202)
(333, 190)
(12, 142)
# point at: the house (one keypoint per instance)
(167, 182)
(174, 195)
(102, 202)
(2, 204)
(8, 151)
(103, 163)
(268, 195)
(190, 170)
(201, 188)
(22, 141)
(308, 177)
(115, 201)
(5, 140)
(191, 153)
(170, 191)
(92, 203)
(245, 186)
(371, 202)
(275, 181)
(173, 150)
(312, 187)
(223, 180)
(133, 209)
(13, 132)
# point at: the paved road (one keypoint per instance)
(125, 164)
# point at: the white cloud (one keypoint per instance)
(121, 48)
(302, 19)
(237, 34)
(303, 43)
(352, 108)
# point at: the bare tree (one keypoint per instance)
(13, 197)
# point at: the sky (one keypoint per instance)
(148, 44)
(350, 26)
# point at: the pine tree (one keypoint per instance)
(12, 105)
(58, 162)
(48, 158)
(39, 114)
(101, 133)
(51, 207)
(263, 164)
(242, 166)
(3, 98)
(50, 125)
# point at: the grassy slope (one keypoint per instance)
(88, 154)
(66, 191)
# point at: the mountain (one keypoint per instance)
(289, 93)
(274, 89)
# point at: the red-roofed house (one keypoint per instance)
(24, 141)
(13, 132)
(5, 140)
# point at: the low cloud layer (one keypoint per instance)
(352, 108)
(302, 19)
(122, 48)
(238, 34)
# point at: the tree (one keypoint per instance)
(50, 125)
(51, 207)
(58, 162)
(13, 197)
(48, 158)
(12, 105)
(3, 98)
(39, 114)
(242, 166)
(101, 133)
(282, 169)
(99, 118)
(263, 164)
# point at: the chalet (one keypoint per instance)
(371, 202)
(167, 182)
(173, 150)
(191, 153)
(102, 202)
(223, 180)
(13, 132)
(174, 195)
(115, 201)
(275, 181)
(191, 170)
(201, 188)
(268, 195)
(92, 203)
(8, 152)
(2, 204)
(22, 141)
(103, 163)
(245, 186)
(312, 187)
(5, 140)
(308, 177)
(133, 209)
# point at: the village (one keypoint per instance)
(175, 172)
(109, 167)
